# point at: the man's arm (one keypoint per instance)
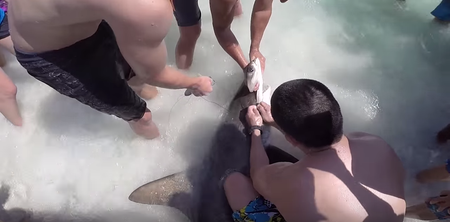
(222, 12)
(258, 155)
(262, 10)
(140, 30)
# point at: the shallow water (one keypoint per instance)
(385, 61)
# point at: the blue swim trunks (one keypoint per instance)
(258, 210)
(443, 215)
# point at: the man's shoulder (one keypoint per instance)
(362, 136)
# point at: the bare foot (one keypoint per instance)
(8, 102)
(444, 135)
(145, 127)
(238, 9)
(435, 174)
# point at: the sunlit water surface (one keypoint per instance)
(385, 61)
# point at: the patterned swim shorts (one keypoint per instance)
(258, 210)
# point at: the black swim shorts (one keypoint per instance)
(187, 12)
(93, 71)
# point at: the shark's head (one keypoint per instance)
(253, 75)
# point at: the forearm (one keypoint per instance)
(258, 155)
(171, 78)
(262, 10)
(230, 44)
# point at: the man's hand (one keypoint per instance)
(255, 53)
(264, 110)
(253, 117)
(203, 86)
(443, 201)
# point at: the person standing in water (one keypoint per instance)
(188, 16)
(223, 12)
(353, 178)
(8, 91)
(88, 49)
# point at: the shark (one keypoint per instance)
(198, 191)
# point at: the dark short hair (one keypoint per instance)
(307, 111)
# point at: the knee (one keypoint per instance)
(235, 179)
(219, 29)
(191, 33)
(8, 90)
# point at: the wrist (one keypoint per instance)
(254, 47)
(194, 82)
(256, 132)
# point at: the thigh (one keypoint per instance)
(187, 12)
(239, 191)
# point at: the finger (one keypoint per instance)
(445, 192)
(443, 206)
(265, 106)
(437, 200)
(261, 108)
(255, 111)
(197, 93)
(250, 111)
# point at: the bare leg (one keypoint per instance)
(184, 51)
(434, 174)
(145, 127)
(238, 9)
(8, 91)
(222, 12)
(8, 102)
(444, 135)
(145, 91)
(7, 44)
(421, 212)
(239, 191)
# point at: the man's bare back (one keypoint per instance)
(359, 180)
(88, 49)
(45, 25)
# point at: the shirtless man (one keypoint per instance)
(223, 12)
(342, 178)
(73, 46)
